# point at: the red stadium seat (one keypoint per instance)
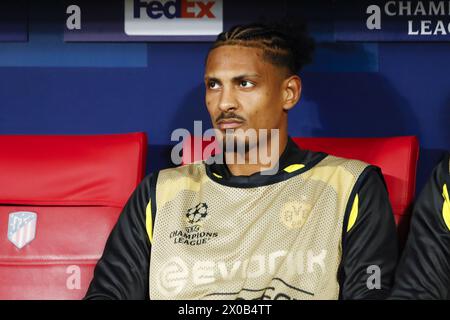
(396, 156)
(60, 196)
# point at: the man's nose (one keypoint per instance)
(227, 100)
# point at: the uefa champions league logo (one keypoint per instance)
(197, 213)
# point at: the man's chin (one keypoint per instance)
(237, 143)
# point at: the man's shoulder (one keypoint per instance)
(186, 170)
(328, 160)
(359, 171)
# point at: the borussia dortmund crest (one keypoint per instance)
(294, 214)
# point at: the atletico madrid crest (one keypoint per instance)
(22, 228)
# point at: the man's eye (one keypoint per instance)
(213, 85)
(246, 84)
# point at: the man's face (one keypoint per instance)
(244, 91)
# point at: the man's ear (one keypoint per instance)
(292, 87)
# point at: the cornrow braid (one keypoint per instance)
(283, 45)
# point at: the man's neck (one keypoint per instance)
(247, 169)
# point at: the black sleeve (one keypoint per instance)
(371, 241)
(123, 270)
(424, 270)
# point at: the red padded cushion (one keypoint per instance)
(77, 186)
(86, 170)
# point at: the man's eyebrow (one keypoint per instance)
(237, 78)
(249, 75)
(207, 78)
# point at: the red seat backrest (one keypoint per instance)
(396, 156)
(77, 187)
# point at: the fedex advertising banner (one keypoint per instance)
(144, 20)
(173, 18)
(185, 20)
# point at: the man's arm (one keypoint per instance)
(369, 240)
(123, 270)
(424, 270)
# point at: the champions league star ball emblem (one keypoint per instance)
(197, 213)
(21, 228)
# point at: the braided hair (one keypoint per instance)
(283, 45)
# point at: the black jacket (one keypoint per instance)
(424, 269)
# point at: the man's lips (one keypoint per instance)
(229, 124)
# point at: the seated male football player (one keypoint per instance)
(314, 228)
(424, 269)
